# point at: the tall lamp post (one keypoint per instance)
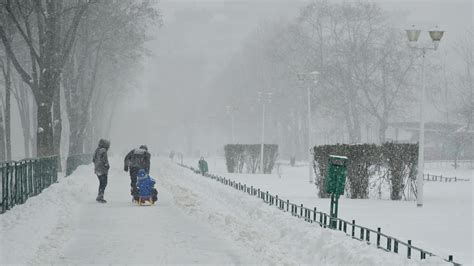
(313, 76)
(263, 98)
(436, 35)
(230, 111)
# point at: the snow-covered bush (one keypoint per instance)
(365, 161)
(248, 155)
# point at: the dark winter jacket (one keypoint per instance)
(138, 158)
(100, 160)
(203, 166)
(145, 186)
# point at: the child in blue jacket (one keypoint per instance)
(146, 189)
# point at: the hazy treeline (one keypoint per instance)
(67, 58)
(368, 78)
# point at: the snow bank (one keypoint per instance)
(443, 226)
(274, 236)
(42, 225)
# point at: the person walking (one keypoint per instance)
(203, 168)
(135, 160)
(101, 167)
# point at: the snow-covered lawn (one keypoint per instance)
(197, 221)
(443, 226)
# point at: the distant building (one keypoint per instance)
(443, 141)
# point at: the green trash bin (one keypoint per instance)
(335, 183)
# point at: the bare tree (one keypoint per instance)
(49, 41)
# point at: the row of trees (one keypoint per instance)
(368, 76)
(67, 56)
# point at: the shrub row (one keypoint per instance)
(394, 163)
(247, 156)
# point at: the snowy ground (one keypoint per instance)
(443, 226)
(196, 221)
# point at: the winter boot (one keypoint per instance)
(100, 198)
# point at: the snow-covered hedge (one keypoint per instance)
(392, 163)
(239, 155)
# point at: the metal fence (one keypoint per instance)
(26, 178)
(350, 228)
(440, 178)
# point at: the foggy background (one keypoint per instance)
(177, 103)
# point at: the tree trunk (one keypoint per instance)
(44, 134)
(57, 122)
(110, 118)
(24, 102)
(76, 137)
(34, 125)
(8, 88)
(3, 156)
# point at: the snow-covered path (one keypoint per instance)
(119, 232)
(197, 221)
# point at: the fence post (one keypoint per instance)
(345, 227)
(395, 246)
(276, 201)
(378, 236)
(361, 233)
(314, 214)
(301, 210)
(287, 204)
(353, 228)
(409, 249)
(450, 258)
(389, 244)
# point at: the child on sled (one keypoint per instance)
(146, 190)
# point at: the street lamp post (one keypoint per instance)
(263, 98)
(314, 77)
(230, 110)
(436, 35)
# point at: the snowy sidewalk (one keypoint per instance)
(119, 232)
(82, 231)
(197, 221)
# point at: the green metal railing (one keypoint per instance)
(26, 178)
(312, 215)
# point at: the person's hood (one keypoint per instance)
(141, 175)
(144, 147)
(103, 143)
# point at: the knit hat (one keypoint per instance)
(141, 174)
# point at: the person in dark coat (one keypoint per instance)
(101, 167)
(203, 168)
(135, 160)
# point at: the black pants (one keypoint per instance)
(133, 181)
(102, 183)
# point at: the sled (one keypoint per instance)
(144, 201)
